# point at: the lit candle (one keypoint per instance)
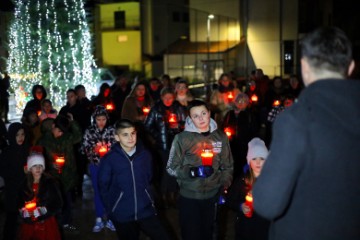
(146, 110)
(109, 106)
(207, 157)
(103, 150)
(276, 103)
(249, 204)
(254, 98)
(172, 118)
(60, 162)
(38, 113)
(230, 96)
(228, 131)
(30, 206)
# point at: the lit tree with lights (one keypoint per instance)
(49, 44)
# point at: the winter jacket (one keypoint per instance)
(124, 184)
(12, 162)
(185, 153)
(132, 108)
(309, 185)
(62, 145)
(157, 123)
(247, 228)
(48, 196)
(93, 136)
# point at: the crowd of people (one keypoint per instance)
(151, 144)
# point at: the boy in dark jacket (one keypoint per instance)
(124, 185)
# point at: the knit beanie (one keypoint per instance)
(256, 149)
(35, 159)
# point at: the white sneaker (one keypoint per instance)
(110, 225)
(99, 225)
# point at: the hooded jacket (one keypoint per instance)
(124, 184)
(185, 153)
(62, 145)
(93, 136)
(309, 185)
(12, 162)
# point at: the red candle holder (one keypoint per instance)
(229, 132)
(146, 110)
(230, 96)
(207, 157)
(254, 98)
(276, 103)
(30, 207)
(109, 107)
(172, 118)
(249, 204)
(60, 162)
(102, 150)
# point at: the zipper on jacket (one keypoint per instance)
(135, 198)
(148, 194)
(117, 202)
(133, 178)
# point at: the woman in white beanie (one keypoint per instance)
(40, 189)
(248, 224)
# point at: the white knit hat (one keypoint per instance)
(35, 159)
(256, 149)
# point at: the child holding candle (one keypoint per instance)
(97, 140)
(60, 141)
(39, 202)
(125, 176)
(249, 225)
(200, 178)
(165, 120)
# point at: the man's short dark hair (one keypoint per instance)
(61, 122)
(327, 48)
(197, 103)
(123, 123)
(79, 87)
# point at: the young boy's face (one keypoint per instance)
(200, 117)
(56, 132)
(126, 137)
(47, 107)
(20, 137)
(100, 121)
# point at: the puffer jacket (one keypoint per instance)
(93, 136)
(186, 153)
(158, 125)
(124, 184)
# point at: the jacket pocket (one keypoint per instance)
(117, 201)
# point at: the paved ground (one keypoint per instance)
(84, 219)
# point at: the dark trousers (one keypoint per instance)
(151, 226)
(197, 218)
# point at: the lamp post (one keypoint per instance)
(207, 83)
(210, 17)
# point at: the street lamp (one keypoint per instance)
(207, 67)
(210, 17)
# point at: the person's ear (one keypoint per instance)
(351, 68)
(305, 71)
(117, 138)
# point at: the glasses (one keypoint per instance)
(181, 88)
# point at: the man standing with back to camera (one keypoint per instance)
(309, 187)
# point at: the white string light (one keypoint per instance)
(49, 47)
